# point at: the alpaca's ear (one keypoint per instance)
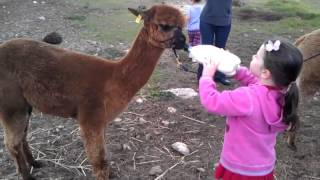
(134, 11)
(141, 11)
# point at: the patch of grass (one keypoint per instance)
(114, 25)
(293, 8)
(76, 17)
(112, 29)
(153, 89)
(298, 16)
(101, 3)
(297, 24)
(158, 95)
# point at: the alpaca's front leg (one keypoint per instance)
(92, 124)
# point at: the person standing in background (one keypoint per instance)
(193, 20)
(215, 26)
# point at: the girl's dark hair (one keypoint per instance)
(197, 1)
(285, 65)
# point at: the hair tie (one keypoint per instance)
(290, 85)
(270, 46)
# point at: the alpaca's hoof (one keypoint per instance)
(31, 178)
(37, 164)
(103, 175)
(292, 146)
(28, 177)
(113, 172)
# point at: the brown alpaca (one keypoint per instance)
(69, 84)
(309, 78)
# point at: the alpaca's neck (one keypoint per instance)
(137, 66)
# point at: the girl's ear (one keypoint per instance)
(265, 74)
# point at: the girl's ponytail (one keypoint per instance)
(290, 110)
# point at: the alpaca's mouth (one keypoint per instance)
(179, 40)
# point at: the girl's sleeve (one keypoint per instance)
(245, 77)
(237, 102)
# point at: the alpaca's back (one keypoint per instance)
(49, 78)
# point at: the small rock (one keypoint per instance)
(126, 147)
(42, 18)
(172, 110)
(131, 129)
(184, 93)
(156, 132)
(181, 148)
(216, 165)
(165, 123)
(155, 170)
(139, 100)
(117, 120)
(35, 2)
(315, 98)
(142, 121)
(148, 136)
(201, 170)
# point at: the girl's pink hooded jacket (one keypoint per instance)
(254, 118)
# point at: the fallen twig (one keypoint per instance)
(148, 162)
(75, 130)
(136, 139)
(38, 131)
(179, 162)
(38, 151)
(195, 120)
(166, 171)
(67, 167)
(134, 161)
(160, 150)
(141, 115)
(311, 177)
(164, 147)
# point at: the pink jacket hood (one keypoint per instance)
(271, 98)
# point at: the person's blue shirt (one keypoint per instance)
(217, 12)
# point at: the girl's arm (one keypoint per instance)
(237, 102)
(245, 77)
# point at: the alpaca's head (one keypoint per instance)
(164, 25)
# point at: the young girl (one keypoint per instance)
(257, 112)
(193, 19)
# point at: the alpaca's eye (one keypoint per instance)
(166, 28)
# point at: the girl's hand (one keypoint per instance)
(210, 67)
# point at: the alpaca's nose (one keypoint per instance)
(180, 39)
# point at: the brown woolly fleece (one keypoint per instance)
(309, 79)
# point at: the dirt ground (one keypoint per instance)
(142, 136)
